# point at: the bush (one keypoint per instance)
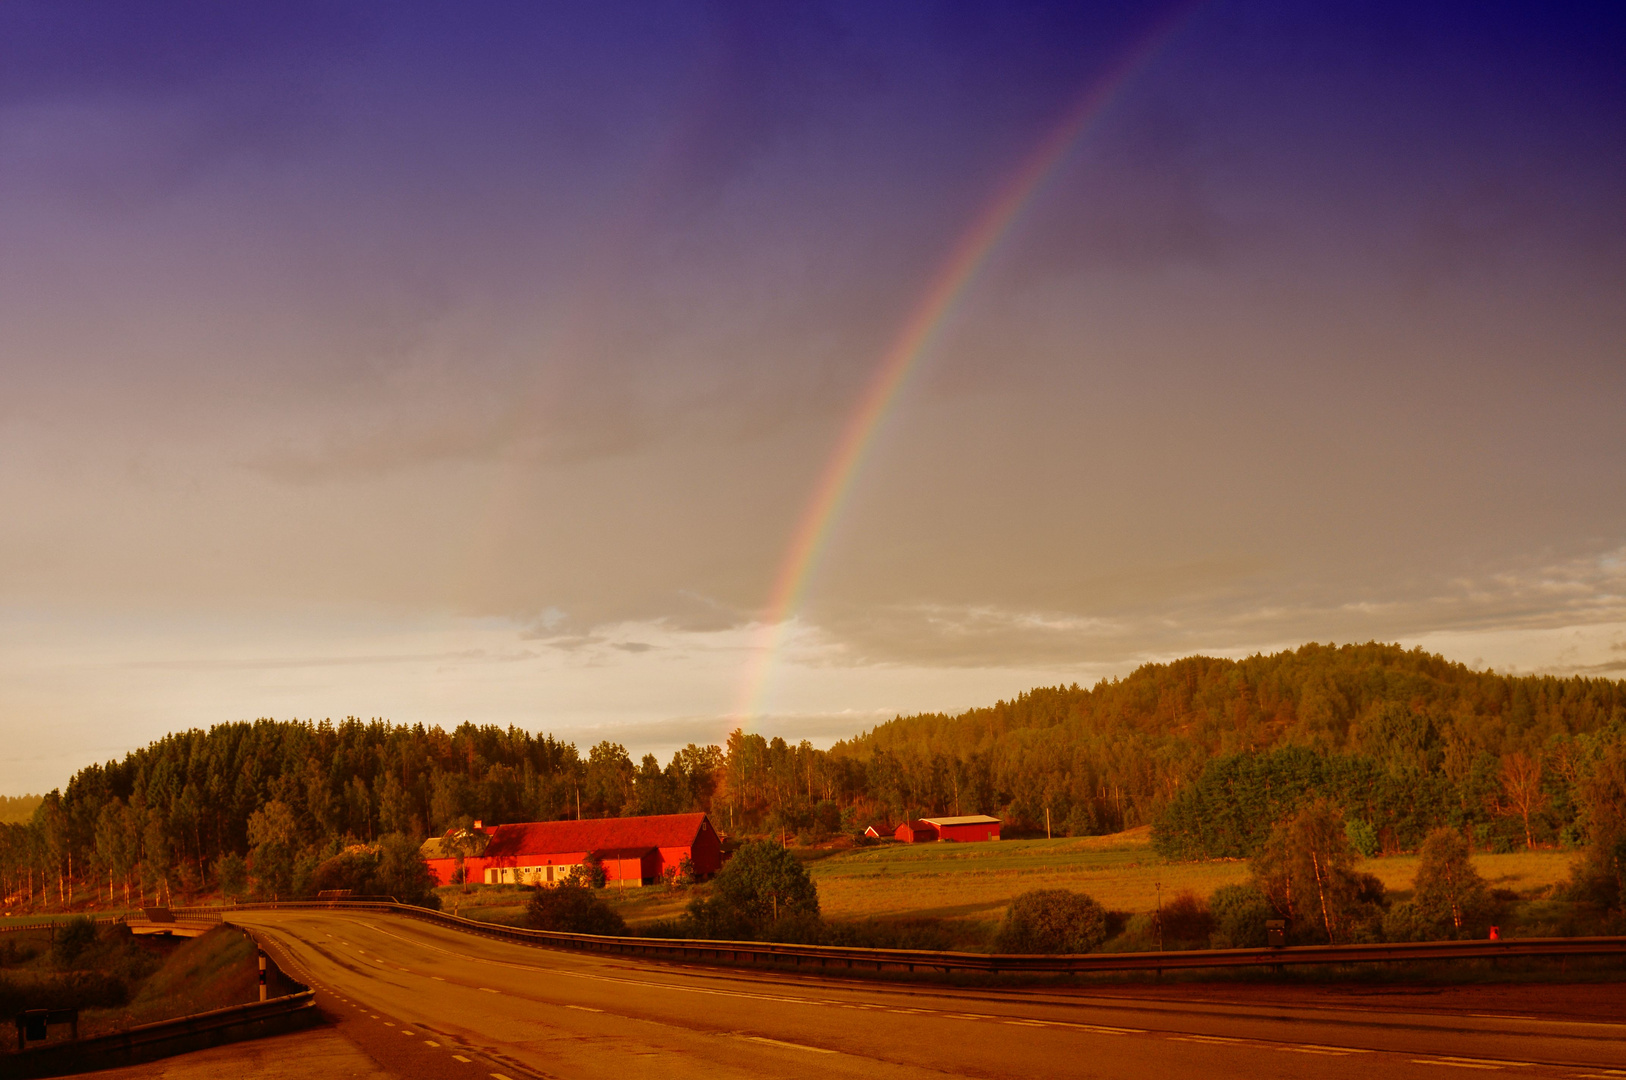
(762, 884)
(351, 870)
(403, 873)
(1599, 876)
(1406, 922)
(1136, 933)
(572, 909)
(1362, 837)
(1239, 913)
(72, 938)
(1187, 922)
(589, 873)
(1052, 921)
(231, 872)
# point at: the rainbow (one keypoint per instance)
(924, 325)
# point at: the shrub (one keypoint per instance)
(1362, 837)
(1405, 922)
(231, 872)
(572, 909)
(1136, 933)
(589, 873)
(1187, 922)
(1599, 876)
(72, 938)
(351, 870)
(1239, 913)
(1052, 921)
(403, 873)
(762, 884)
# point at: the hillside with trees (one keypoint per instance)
(1211, 752)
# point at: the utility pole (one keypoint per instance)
(1047, 823)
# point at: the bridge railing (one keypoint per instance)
(840, 957)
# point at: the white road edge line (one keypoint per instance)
(788, 1045)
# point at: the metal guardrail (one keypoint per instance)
(149, 1041)
(825, 957)
(56, 920)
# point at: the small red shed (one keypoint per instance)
(916, 832)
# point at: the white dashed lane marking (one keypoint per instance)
(1454, 1064)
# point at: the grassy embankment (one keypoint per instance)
(122, 980)
(968, 886)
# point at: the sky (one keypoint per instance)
(528, 364)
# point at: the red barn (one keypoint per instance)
(966, 829)
(635, 850)
(916, 832)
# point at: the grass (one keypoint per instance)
(977, 881)
(213, 971)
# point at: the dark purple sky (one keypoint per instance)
(476, 361)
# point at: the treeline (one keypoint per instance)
(1407, 738)
(173, 815)
(1563, 792)
(17, 809)
(1211, 750)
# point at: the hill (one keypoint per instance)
(1206, 749)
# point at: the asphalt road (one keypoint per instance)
(424, 1001)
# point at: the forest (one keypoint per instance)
(1210, 752)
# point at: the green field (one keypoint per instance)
(977, 881)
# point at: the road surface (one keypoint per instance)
(420, 1000)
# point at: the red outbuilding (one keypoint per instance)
(916, 832)
(634, 850)
(967, 829)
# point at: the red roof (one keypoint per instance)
(594, 834)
